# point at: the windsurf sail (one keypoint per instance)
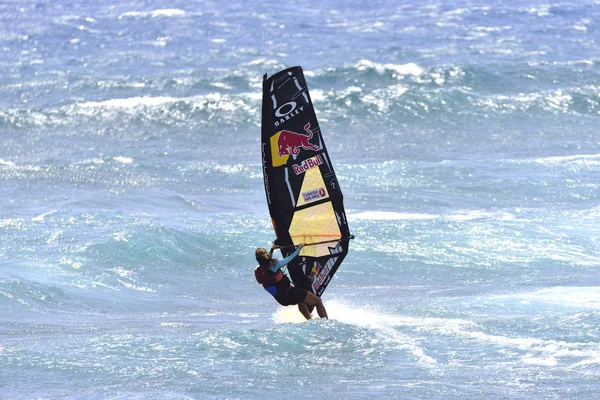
(304, 197)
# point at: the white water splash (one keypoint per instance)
(166, 12)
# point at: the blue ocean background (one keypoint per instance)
(465, 139)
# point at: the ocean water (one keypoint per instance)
(465, 138)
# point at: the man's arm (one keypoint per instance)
(277, 264)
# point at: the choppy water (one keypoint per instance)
(465, 138)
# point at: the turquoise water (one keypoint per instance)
(464, 135)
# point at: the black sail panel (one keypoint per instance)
(303, 194)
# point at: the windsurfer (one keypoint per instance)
(269, 274)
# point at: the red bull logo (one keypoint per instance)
(315, 271)
(318, 275)
(290, 143)
(307, 164)
(287, 143)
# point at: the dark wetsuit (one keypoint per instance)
(278, 284)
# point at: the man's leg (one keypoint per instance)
(304, 310)
(314, 300)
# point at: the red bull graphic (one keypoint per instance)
(307, 164)
(285, 143)
(318, 275)
(290, 143)
(315, 271)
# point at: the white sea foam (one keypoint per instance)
(468, 215)
(564, 296)
(532, 351)
(590, 159)
(542, 361)
(382, 324)
(542, 11)
(558, 100)
(390, 216)
(222, 85)
(406, 69)
(584, 62)
(131, 102)
(7, 163)
(173, 324)
(167, 12)
(122, 272)
(124, 160)
(543, 352)
(212, 102)
(384, 98)
(588, 363)
(135, 287)
(465, 215)
(399, 69)
(317, 95)
(72, 263)
(43, 216)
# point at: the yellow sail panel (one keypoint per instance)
(313, 187)
(312, 225)
(277, 158)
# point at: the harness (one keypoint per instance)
(277, 284)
